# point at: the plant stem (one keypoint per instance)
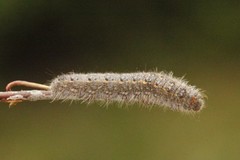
(14, 97)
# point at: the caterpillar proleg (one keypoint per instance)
(147, 88)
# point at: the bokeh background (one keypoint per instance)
(199, 39)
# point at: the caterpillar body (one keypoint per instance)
(147, 88)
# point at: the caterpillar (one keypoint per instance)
(145, 88)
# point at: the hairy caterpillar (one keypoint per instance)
(148, 88)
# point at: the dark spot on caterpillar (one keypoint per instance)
(151, 78)
(134, 79)
(145, 81)
(148, 80)
(60, 78)
(123, 78)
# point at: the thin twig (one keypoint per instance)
(14, 97)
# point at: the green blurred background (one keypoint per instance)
(198, 39)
